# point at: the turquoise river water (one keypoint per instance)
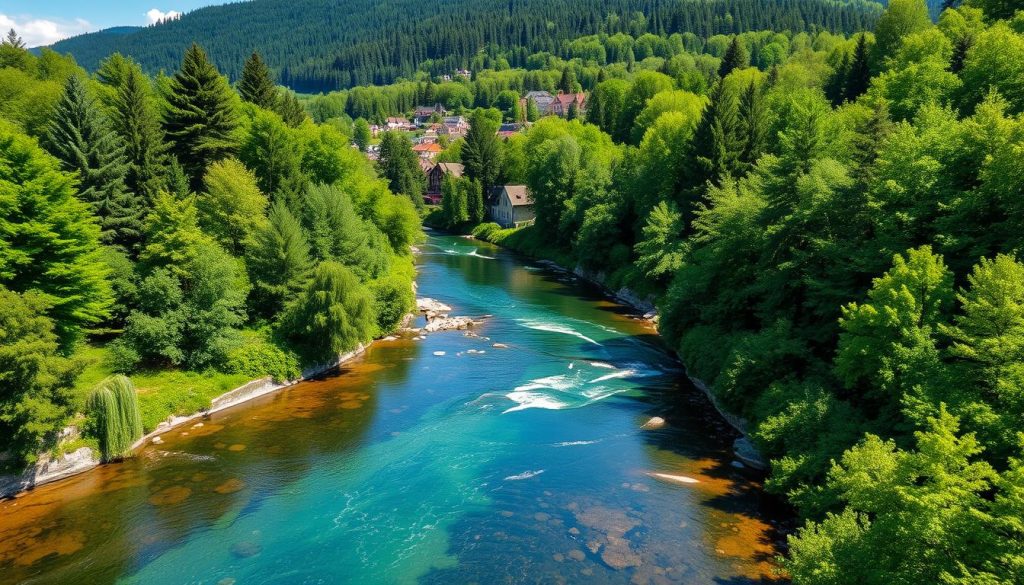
(517, 464)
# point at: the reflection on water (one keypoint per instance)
(517, 463)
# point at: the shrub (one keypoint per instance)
(262, 358)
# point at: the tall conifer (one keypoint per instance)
(81, 138)
(201, 118)
(256, 85)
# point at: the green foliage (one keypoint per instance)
(114, 408)
(393, 299)
(201, 116)
(272, 152)
(481, 154)
(49, 242)
(81, 138)
(338, 233)
(232, 209)
(133, 116)
(400, 166)
(361, 134)
(35, 380)
(259, 357)
(256, 85)
(333, 314)
(278, 261)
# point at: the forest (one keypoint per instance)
(827, 216)
(832, 242)
(315, 46)
(176, 234)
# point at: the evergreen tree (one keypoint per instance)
(567, 84)
(13, 52)
(574, 111)
(474, 201)
(134, 118)
(717, 142)
(453, 202)
(272, 153)
(735, 58)
(81, 138)
(361, 134)
(532, 113)
(858, 76)
(400, 166)
(481, 151)
(753, 121)
(290, 109)
(835, 87)
(49, 241)
(256, 85)
(279, 261)
(201, 116)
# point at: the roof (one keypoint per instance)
(453, 169)
(567, 98)
(518, 195)
(544, 95)
(428, 147)
(425, 166)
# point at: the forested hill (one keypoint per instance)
(318, 45)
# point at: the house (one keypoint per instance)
(423, 114)
(510, 206)
(428, 150)
(542, 99)
(506, 131)
(396, 123)
(563, 102)
(436, 175)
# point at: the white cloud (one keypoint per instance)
(38, 31)
(155, 15)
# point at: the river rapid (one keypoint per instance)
(439, 460)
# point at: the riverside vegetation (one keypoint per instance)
(832, 242)
(180, 232)
(828, 221)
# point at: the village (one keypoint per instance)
(433, 129)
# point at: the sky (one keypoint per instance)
(42, 22)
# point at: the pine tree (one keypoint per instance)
(835, 85)
(257, 85)
(13, 52)
(574, 111)
(735, 58)
(859, 73)
(134, 118)
(201, 117)
(753, 121)
(399, 165)
(81, 138)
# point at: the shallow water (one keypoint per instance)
(484, 465)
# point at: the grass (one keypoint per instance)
(162, 393)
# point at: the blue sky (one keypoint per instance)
(41, 22)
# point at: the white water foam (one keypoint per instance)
(575, 443)
(524, 475)
(602, 365)
(477, 254)
(554, 328)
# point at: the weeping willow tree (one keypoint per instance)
(115, 410)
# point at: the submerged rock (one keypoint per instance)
(246, 549)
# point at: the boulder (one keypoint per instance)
(447, 324)
(429, 305)
(747, 453)
(655, 422)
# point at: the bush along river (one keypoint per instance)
(439, 459)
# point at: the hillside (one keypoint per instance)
(319, 46)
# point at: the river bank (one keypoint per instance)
(49, 469)
(743, 448)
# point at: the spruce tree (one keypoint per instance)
(201, 118)
(753, 121)
(81, 138)
(481, 151)
(717, 143)
(835, 85)
(257, 85)
(134, 118)
(735, 58)
(858, 76)
(568, 82)
(399, 165)
(532, 113)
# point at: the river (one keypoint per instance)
(524, 464)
